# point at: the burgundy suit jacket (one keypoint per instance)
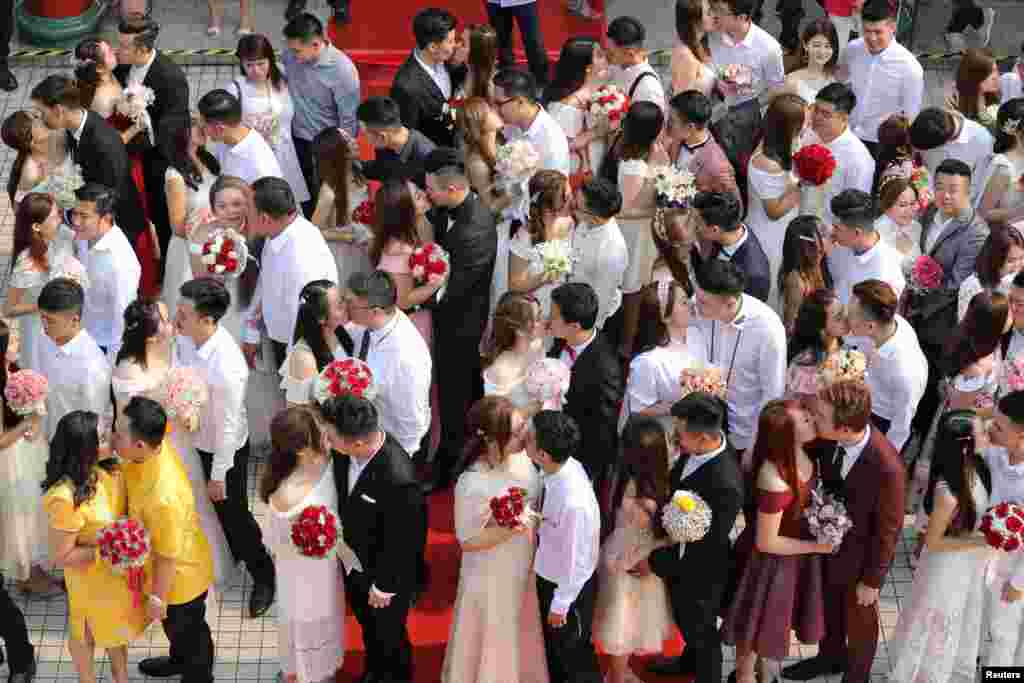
(874, 491)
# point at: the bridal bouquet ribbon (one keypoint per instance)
(341, 377)
(609, 105)
(735, 80)
(135, 98)
(125, 546)
(845, 364)
(1003, 527)
(26, 392)
(547, 381)
(516, 161)
(224, 253)
(827, 517)
(708, 380)
(62, 186)
(926, 273)
(315, 532)
(427, 261)
(686, 518)
(556, 257)
(187, 393)
(512, 510)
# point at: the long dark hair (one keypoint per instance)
(640, 130)
(954, 461)
(254, 47)
(821, 26)
(334, 164)
(776, 443)
(174, 143)
(482, 59)
(1010, 109)
(490, 419)
(809, 327)
(979, 332)
(74, 453)
(17, 134)
(11, 418)
(994, 252)
(781, 126)
(291, 430)
(313, 311)
(141, 322)
(88, 52)
(35, 208)
(976, 66)
(571, 70)
(394, 218)
(803, 252)
(645, 463)
(689, 23)
(653, 330)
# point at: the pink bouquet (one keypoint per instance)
(186, 396)
(1013, 374)
(1003, 526)
(922, 184)
(708, 380)
(926, 273)
(735, 79)
(125, 546)
(72, 269)
(428, 260)
(827, 517)
(547, 381)
(609, 104)
(26, 392)
(348, 376)
(224, 253)
(516, 161)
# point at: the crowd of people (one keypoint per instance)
(864, 330)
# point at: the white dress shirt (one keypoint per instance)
(567, 552)
(880, 262)
(223, 423)
(758, 50)
(577, 351)
(855, 168)
(1010, 86)
(251, 159)
(897, 375)
(695, 462)
(401, 365)
(648, 88)
(891, 82)
(297, 256)
(438, 73)
(754, 347)
(114, 271)
(138, 72)
(973, 146)
(79, 378)
(601, 260)
(851, 452)
(548, 139)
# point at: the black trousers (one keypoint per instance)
(6, 29)
(154, 168)
(240, 527)
(457, 361)
(696, 609)
(191, 642)
(526, 17)
(385, 633)
(307, 162)
(280, 352)
(14, 633)
(570, 649)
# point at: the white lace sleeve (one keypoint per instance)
(767, 185)
(472, 506)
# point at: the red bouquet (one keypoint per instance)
(428, 260)
(224, 253)
(315, 531)
(1002, 526)
(926, 273)
(508, 509)
(814, 164)
(125, 546)
(348, 376)
(364, 213)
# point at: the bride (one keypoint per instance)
(41, 153)
(518, 340)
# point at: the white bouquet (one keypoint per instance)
(673, 188)
(62, 185)
(134, 100)
(686, 518)
(516, 161)
(556, 256)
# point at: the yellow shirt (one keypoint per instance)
(160, 496)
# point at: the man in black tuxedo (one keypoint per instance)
(717, 220)
(696, 578)
(94, 145)
(465, 228)
(15, 635)
(138, 61)
(425, 83)
(596, 385)
(385, 526)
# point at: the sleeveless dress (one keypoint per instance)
(97, 597)
(637, 233)
(522, 246)
(654, 376)
(574, 122)
(513, 391)
(808, 91)
(632, 615)
(179, 269)
(496, 632)
(938, 634)
(761, 186)
(300, 391)
(23, 539)
(777, 593)
(310, 593)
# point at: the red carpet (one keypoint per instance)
(430, 621)
(380, 38)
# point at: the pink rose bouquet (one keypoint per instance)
(708, 380)
(428, 260)
(26, 392)
(926, 273)
(186, 395)
(547, 381)
(735, 79)
(516, 161)
(609, 104)
(125, 546)
(1013, 374)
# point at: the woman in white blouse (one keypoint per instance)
(322, 312)
(691, 62)
(998, 262)
(518, 340)
(898, 226)
(1002, 197)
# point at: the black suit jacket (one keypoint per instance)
(593, 400)
(472, 246)
(385, 519)
(751, 259)
(423, 104)
(170, 90)
(103, 158)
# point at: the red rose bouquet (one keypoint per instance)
(512, 510)
(315, 531)
(1003, 526)
(428, 260)
(609, 104)
(364, 213)
(224, 253)
(814, 164)
(125, 546)
(348, 376)
(926, 273)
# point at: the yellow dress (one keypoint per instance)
(97, 597)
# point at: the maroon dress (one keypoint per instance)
(777, 593)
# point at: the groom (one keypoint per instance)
(385, 517)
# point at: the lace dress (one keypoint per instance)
(496, 632)
(637, 233)
(522, 247)
(938, 634)
(179, 268)
(762, 186)
(574, 122)
(310, 594)
(23, 524)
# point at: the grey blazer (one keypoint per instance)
(957, 247)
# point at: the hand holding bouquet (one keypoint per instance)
(186, 395)
(708, 380)
(134, 100)
(673, 188)
(686, 518)
(922, 184)
(26, 392)
(224, 253)
(926, 273)
(512, 510)
(608, 106)
(428, 262)
(1003, 526)
(315, 532)
(340, 377)
(814, 164)
(125, 546)
(547, 381)
(827, 518)
(62, 185)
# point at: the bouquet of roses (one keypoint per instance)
(224, 253)
(315, 531)
(125, 546)
(814, 164)
(547, 381)
(686, 518)
(186, 395)
(62, 186)
(26, 392)
(922, 184)
(926, 273)
(512, 510)
(556, 256)
(358, 231)
(1003, 526)
(708, 380)
(609, 105)
(134, 100)
(735, 79)
(843, 365)
(516, 161)
(428, 260)
(827, 517)
(1013, 374)
(673, 188)
(340, 377)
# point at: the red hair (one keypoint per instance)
(776, 443)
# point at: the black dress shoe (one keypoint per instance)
(295, 8)
(672, 666)
(260, 600)
(342, 12)
(160, 667)
(24, 676)
(814, 667)
(7, 80)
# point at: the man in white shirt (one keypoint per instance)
(515, 99)
(1011, 83)
(387, 341)
(77, 370)
(855, 167)
(294, 255)
(860, 253)
(940, 134)
(568, 549)
(602, 255)
(629, 68)
(110, 263)
(899, 369)
(885, 76)
(240, 150)
(223, 437)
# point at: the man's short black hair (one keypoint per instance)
(61, 295)
(627, 32)
(952, 166)
(517, 83)
(1012, 406)
(693, 106)
(932, 128)
(721, 209)
(721, 278)
(854, 208)
(875, 11)
(577, 302)
(273, 196)
(306, 27)
(220, 106)
(839, 95)
(379, 112)
(603, 197)
(208, 296)
(378, 288)
(142, 27)
(557, 434)
(432, 25)
(351, 416)
(103, 197)
(743, 8)
(704, 413)
(148, 420)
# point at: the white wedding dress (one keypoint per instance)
(179, 268)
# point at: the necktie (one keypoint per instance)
(572, 353)
(364, 346)
(72, 145)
